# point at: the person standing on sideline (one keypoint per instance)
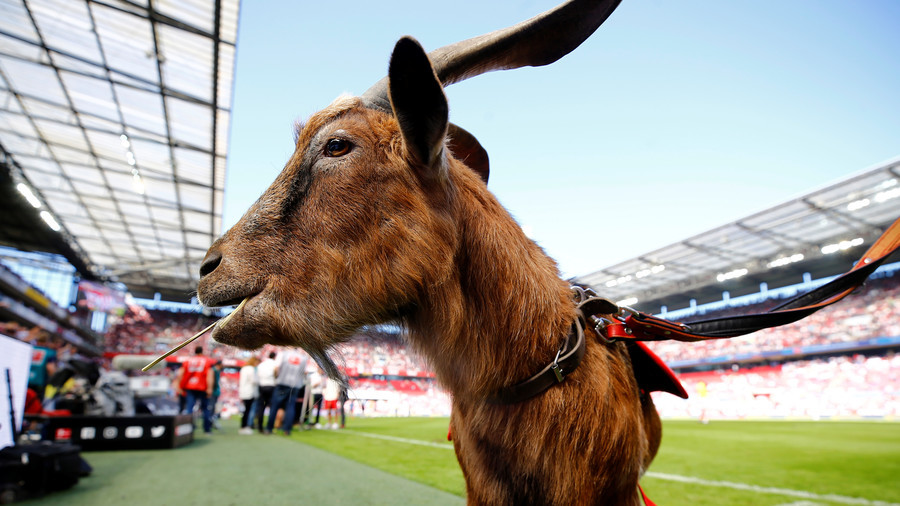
(290, 371)
(195, 380)
(216, 392)
(315, 384)
(266, 373)
(330, 395)
(248, 392)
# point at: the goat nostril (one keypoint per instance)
(212, 260)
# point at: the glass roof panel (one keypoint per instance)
(94, 123)
(61, 134)
(141, 109)
(198, 241)
(68, 207)
(38, 165)
(38, 107)
(85, 174)
(49, 181)
(20, 49)
(195, 198)
(152, 156)
(192, 165)
(33, 79)
(107, 145)
(228, 22)
(63, 112)
(189, 69)
(127, 41)
(226, 64)
(14, 19)
(86, 188)
(223, 127)
(190, 123)
(161, 192)
(66, 25)
(74, 65)
(16, 123)
(91, 95)
(67, 154)
(198, 14)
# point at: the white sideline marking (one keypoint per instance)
(808, 496)
(419, 442)
(769, 490)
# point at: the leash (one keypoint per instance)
(612, 323)
(630, 325)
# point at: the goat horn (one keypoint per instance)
(538, 41)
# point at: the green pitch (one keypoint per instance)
(721, 463)
(388, 461)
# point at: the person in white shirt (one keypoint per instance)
(330, 395)
(266, 373)
(316, 383)
(248, 392)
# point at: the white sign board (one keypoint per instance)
(15, 356)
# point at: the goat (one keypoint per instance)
(382, 214)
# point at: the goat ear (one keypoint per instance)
(418, 102)
(466, 148)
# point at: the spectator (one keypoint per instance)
(266, 374)
(195, 380)
(315, 386)
(290, 372)
(248, 391)
(216, 392)
(43, 366)
(330, 395)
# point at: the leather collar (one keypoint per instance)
(567, 359)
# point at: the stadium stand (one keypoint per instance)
(843, 387)
(841, 362)
(152, 331)
(838, 363)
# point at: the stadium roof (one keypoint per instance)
(115, 113)
(821, 233)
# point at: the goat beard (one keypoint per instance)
(267, 323)
(326, 361)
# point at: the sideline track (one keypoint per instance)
(809, 496)
(229, 469)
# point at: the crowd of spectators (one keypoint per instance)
(837, 387)
(388, 378)
(151, 331)
(378, 352)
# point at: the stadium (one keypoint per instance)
(116, 132)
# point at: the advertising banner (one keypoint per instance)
(15, 364)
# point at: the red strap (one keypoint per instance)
(647, 501)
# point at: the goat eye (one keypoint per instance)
(337, 147)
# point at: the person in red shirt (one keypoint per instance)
(195, 381)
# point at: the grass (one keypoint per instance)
(818, 460)
(851, 459)
(434, 466)
(409, 461)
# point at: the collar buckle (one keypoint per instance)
(557, 370)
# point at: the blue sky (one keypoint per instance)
(673, 118)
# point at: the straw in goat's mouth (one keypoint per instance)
(223, 322)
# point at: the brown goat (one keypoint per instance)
(379, 216)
